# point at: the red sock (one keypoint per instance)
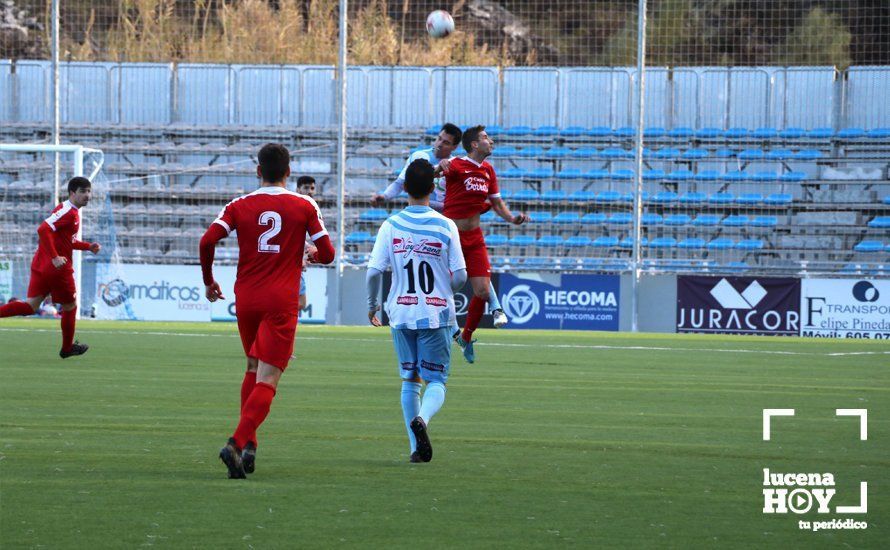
(13, 309)
(246, 389)
(68, 319)
(255, 411)
(474, 315)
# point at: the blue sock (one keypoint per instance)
(493, 302)
(433, 399)
(410, 408)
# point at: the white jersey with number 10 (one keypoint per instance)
(423, 249)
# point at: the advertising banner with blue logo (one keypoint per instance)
(151, 293)
(560, 301)
(845, 308)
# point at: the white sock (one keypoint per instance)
(433, 399)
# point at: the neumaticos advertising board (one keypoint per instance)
(845, 308)
(738, 305)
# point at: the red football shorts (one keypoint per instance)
(267, 335)
(475, 254)
(60, 285)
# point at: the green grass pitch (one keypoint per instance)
(550, 439)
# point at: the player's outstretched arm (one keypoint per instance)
(372, 282)
(392, 191)
(83, 245)
(500, 208)
(207, 248)
(458, 279)
(324, 251)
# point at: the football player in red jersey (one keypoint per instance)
(469, 182)
(52, 272)
(272, 224)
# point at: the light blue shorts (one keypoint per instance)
(426, 352)
(303, 285)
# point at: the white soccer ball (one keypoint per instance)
(439, 24)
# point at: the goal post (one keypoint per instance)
(30, 192)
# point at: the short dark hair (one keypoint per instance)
(419, 178)
(471, 134)
(305, 180)
(77, 183)
(453, 131)
(274, 160)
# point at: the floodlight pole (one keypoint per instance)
(57, 112)
(341, 159)
(638, 161)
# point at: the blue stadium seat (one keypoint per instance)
(573, 131)
(585, 152)
(736, 267)
(615, 153)
(793, 177)
(540, 173)
(736, 133)
(666, 153)
(550, 241)
(765, 133)
(506, 151)
(373, 215)
(880, 222)
(886, 199)
(879, 133)
(553, 195)
(593, 218)
(653, 175)
(605, 242)
(596, 174)
(538, 263)
(706, 220)
(778, 199)
(735, 176)
(693, 198)
(599, 132)
(677, 220)
(663, 197)
(663, 242)
(681, 132)
(651, 218)
(749, 198)
(518, 131)
(494, 130)
(694, 154)
(490, 216)
(577, 241)
(851, 133)
(692, 243)
(433, 130)
(808, 154)
(512, 172)
(526, 195)
(721, 244)
(725, 153)
(628, 242)
(736, 220)
(708, 133)
(531, 152)
(766, 177)
(820, 133)
(567, 218)
(707, 175)
(570, 174)
(582, 196)
(625, 132)
(545, 131)
(680, 175)
(540, 217)
(779, 154)
(629, 197)
(764, 221)
(359, 237)
(623, 175)
(654, 132)
(792, 133)
(506, 194)
(495, 240)
(620, 218)
(522, 240)
(749, 244)
(721, 198)
(558, 152)
(751, 154)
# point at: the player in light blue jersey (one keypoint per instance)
(423, 249)
(446, 142)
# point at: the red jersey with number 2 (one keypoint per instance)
(467, 186)
(271, 224)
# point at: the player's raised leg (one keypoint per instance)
(17, 308)
(499, 318)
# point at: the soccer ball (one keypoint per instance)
(439, 24)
